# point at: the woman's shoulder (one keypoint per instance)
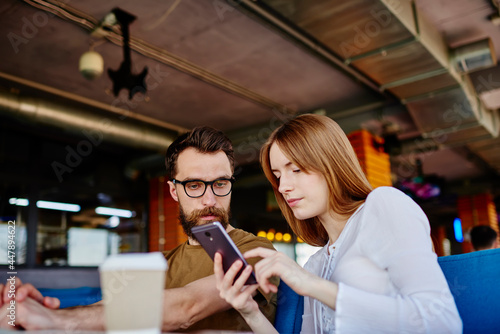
(388, 195)
(390, 202)
(390, 217)
(385, 191)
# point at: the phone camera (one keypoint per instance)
(207, 234)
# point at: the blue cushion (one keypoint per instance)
(474, 282)
(74, 297)
(289, 310)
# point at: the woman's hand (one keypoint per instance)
(239, 295)
(275, 263)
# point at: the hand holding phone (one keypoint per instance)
(214, 239)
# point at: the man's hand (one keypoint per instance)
(24, 291)
(7, 322)
(29, 314)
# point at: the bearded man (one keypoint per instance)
(200, 168)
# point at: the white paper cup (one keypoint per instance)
(132, 287)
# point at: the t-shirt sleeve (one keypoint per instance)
(395, 235)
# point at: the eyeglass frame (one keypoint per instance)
(206, 183)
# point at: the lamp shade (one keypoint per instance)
(91, 65)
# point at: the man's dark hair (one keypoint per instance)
(204, 139)
(482, 237)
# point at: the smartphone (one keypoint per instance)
(214, 239)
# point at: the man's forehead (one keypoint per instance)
(192, 163)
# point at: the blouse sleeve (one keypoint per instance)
(395, 235)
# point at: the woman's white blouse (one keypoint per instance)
(389, 278)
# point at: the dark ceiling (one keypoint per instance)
(245, 66)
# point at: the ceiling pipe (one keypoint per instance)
(22, 83)
(94, 127)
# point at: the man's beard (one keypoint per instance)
(191, 220)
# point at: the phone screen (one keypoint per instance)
(214, 239)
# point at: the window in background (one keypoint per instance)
(89, 246)
(51, 237)
(286, 248)
(304, 252)
(14, 211)
(85, 237)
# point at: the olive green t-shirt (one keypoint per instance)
(188, 263)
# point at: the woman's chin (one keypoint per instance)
(301, 216)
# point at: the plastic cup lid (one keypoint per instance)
(135, 261)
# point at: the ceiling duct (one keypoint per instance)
(124, 131)
(474, 56)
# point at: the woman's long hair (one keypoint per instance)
(316, 143)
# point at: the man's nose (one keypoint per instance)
(208, 198)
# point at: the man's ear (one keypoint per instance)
(173, 191)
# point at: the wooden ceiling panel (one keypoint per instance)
(349, 28)
(410, 60)
(420, 87)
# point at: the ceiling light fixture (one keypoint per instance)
(113, 221)
(19, 201)
(91, 65)
(58, 206)
(102, 210)
(123, 77)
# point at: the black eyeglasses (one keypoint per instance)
(197, 188)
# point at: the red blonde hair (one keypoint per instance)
(317, 143)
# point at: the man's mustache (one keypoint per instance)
(196, 214)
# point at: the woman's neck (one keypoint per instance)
(334, 225)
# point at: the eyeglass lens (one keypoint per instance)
(197, 188)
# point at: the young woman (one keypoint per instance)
(376, 271)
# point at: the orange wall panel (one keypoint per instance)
(165, 231)
(372, 158)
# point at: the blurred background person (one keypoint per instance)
(483, 237)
